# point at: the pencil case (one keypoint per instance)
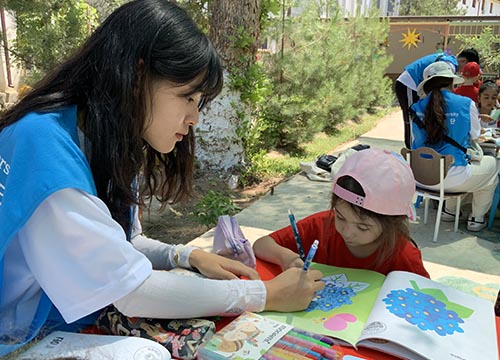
(230, 242)
(181, 337)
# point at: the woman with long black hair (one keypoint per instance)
(102, 134)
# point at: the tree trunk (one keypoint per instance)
(235, 20)
(234, 31)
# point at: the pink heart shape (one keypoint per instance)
(339, 322)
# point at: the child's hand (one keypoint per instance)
(293, 290)
(292, 261)
(267, 249)
(485, 118)
(218, 267)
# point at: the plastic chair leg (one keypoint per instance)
(457, 213)
(438, 220)
(418, 201)
(426, 209)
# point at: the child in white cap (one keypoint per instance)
(367, 224)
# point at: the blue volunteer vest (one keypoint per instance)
(416, 68)
(457, 122)
(39, 155)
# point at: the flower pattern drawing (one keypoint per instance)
(338, 291)
(428, 309)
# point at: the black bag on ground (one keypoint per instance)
(360, 147)
(325, 162)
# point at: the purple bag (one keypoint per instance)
(230, 242)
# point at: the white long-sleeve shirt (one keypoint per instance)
(73, 250)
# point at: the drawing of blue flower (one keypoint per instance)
(423, 311)
(331, 297)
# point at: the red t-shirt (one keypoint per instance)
(471, 91)
(333, 251)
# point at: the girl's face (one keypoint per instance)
(359, 235)
(172, 114)
(487, 99)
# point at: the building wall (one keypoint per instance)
(430, 35)
(480, 7)
(389, 7)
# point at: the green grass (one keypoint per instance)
(268, 165)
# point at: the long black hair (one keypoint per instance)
(110, 78)
(435, 111)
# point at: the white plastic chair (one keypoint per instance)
(430, 168)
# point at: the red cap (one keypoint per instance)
(471, 69)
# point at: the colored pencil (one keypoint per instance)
(322, 338)
(295, 347)
(330, 354)
(296, 234)
(308, 338)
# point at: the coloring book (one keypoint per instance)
(402, 314)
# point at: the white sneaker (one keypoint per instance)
(476, 223)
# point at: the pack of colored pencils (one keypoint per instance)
(252, 336)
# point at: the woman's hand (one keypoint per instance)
(218, 267)
(293, 290)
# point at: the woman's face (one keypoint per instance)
(359, 235)
(488, 99)
(172, 114)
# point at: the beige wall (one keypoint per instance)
(432, 38)
(432, 35)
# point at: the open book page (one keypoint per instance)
(430, 319)
(60, 344)
(342, 308)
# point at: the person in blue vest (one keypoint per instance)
(407, 82)
(103, 133)
(448, 123)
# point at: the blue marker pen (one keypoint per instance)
(296, 234)
(310, 255)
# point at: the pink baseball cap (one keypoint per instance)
(386, 179)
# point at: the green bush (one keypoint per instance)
(330, 70)
(487, 44)
(212, 205)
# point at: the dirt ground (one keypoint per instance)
(177, 225)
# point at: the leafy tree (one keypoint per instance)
(488, 46)
(330, 70)
(105, 7)
(47, 31)
(198, 9)
(429, 7)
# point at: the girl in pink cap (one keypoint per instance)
(367, 224)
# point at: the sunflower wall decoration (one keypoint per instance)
(411, 38)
